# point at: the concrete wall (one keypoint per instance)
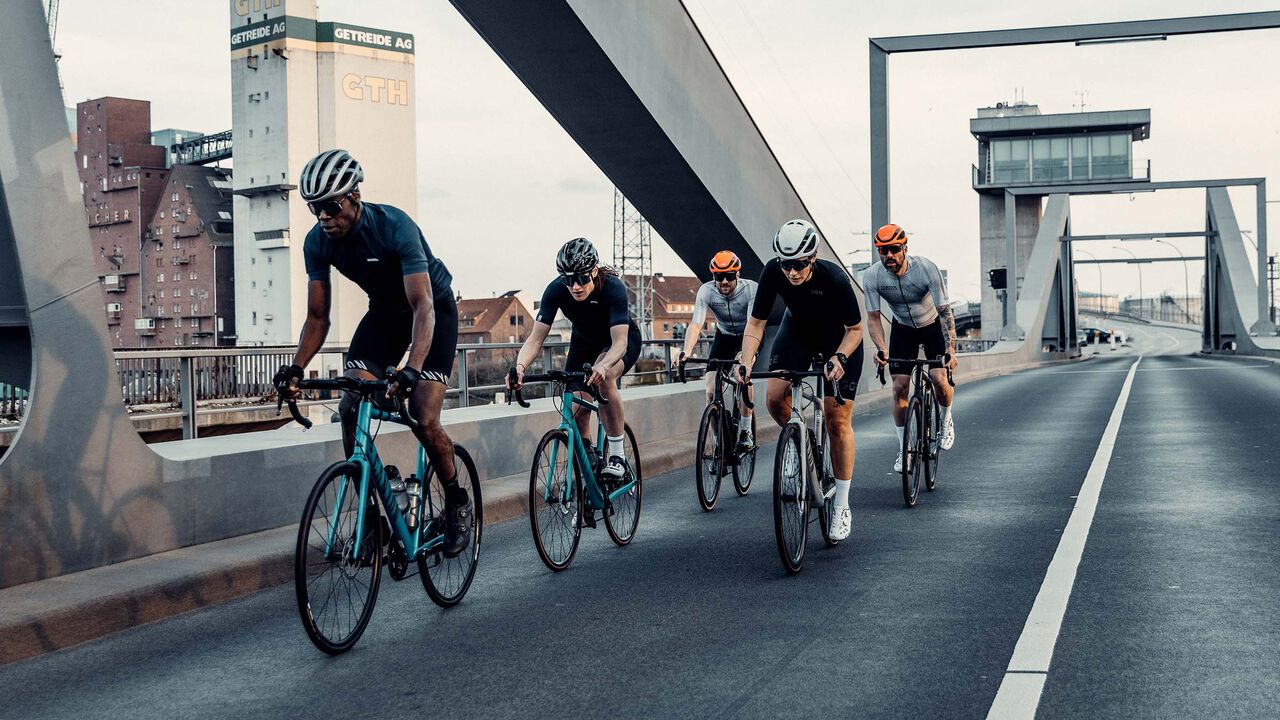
(994, 254)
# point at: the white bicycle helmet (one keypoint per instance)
(795, 239)
(332, 173)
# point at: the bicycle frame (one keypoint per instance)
(595, 497)
(365, 456)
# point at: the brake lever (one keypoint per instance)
(835, 385)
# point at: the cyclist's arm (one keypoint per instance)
(316, 327)
(875, 328)
(618, 348)
(852, 339)
(947, 317)
(417, 288)
(751, 338)
(532, 346)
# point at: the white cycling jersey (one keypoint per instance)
(731, 312)
(914, 297)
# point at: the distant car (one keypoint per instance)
(1095, 335)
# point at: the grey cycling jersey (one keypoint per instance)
(914, 297)
(731, 312)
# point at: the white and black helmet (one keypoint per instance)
(332, 173)
(577, 256)
(795, 239)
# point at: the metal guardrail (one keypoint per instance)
(186, 378)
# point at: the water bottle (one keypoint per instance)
(397, 487)
(413, 489)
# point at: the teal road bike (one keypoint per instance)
(362, 514)
(566, 490)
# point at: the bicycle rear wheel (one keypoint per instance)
(554, 514)
(336, 588)
(914, 453)
(826, 483)
(446, 579)
(933, 425)
(622, 522)
(790, 500)
(745, 469)
(709, 467)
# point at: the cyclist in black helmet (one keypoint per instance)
(411, 307)
(605, 337)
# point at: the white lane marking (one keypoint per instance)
(1159, 370)
(1019, 693)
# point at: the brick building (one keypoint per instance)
(129, 198)
(673, 298)
(493, 320)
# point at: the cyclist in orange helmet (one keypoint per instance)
(729, 298)
(912, 287)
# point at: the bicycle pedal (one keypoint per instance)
(588, 520)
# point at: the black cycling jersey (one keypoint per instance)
(822, 305)
(383, 246)
(592, 318)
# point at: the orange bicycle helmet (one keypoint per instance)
(726, 261)
(890, 235)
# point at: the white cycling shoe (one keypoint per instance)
(897, 464)
(840, 524)
(948, 434)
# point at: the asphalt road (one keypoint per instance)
(1173, 611)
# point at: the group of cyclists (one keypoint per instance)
(412, 308)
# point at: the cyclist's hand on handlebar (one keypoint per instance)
(286, 381)
(599, 373)
(835, 371)
(515, 378)
(404, 382)
(950, 360)
(880, 359)
(743, 372)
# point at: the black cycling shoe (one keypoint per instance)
(457, 520)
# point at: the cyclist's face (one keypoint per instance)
(725, 282)
(339, 224)
(580, 291)
(798, 272)
(892, 256)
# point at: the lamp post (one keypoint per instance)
(1186, 284)
(1101, 295)
(1141, 301)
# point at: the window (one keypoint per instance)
(193, 274)
(255, 318)
(1110, 156)
(1080, 158)
(159, 262)
(176, 243)
(195, 308)
(1049, 159)
(173, 198)
(161, 214)
(162, 293)
(160, 309)
(177, 308)
(159, 231)
(177, 277)
(191, 292)
(160, 278)
(177, 322)
(176, 229)
(1009, 160)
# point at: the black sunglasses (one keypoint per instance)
(795, 265)
(890, 249)
(724, 277)
(328, 207)
(581, 279)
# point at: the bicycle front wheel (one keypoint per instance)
(914, 452)
(709, 467)
(336, 584)
(622, 522)
(790, 500)
(555, 504)
(745, 469)
(446, 579)
(826, 483)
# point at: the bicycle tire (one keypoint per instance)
(790, 501)
(329, 631)
(745, 469)
(826, 483)
(625, 518)
(912, 444)
(446, 579)
(933, 427)
(708, 469)
(559, 519)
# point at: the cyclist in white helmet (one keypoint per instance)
(822, 319)
(411, 307)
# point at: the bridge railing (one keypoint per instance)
(154, 380)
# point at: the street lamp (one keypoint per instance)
(1101, 295)
(1186, 284)
(1141, 302)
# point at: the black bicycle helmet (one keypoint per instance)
(577, 256)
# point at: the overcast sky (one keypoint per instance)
(496, 169)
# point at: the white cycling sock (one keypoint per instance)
(614, 446)
(841, 498)
(946, 413)
(899, 429)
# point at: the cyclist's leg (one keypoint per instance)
(900, 346)
(581, 352)
(788, 352)
(935, 344)
(428, 399)
(379, 341)
(840, 417)
(611, 413)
